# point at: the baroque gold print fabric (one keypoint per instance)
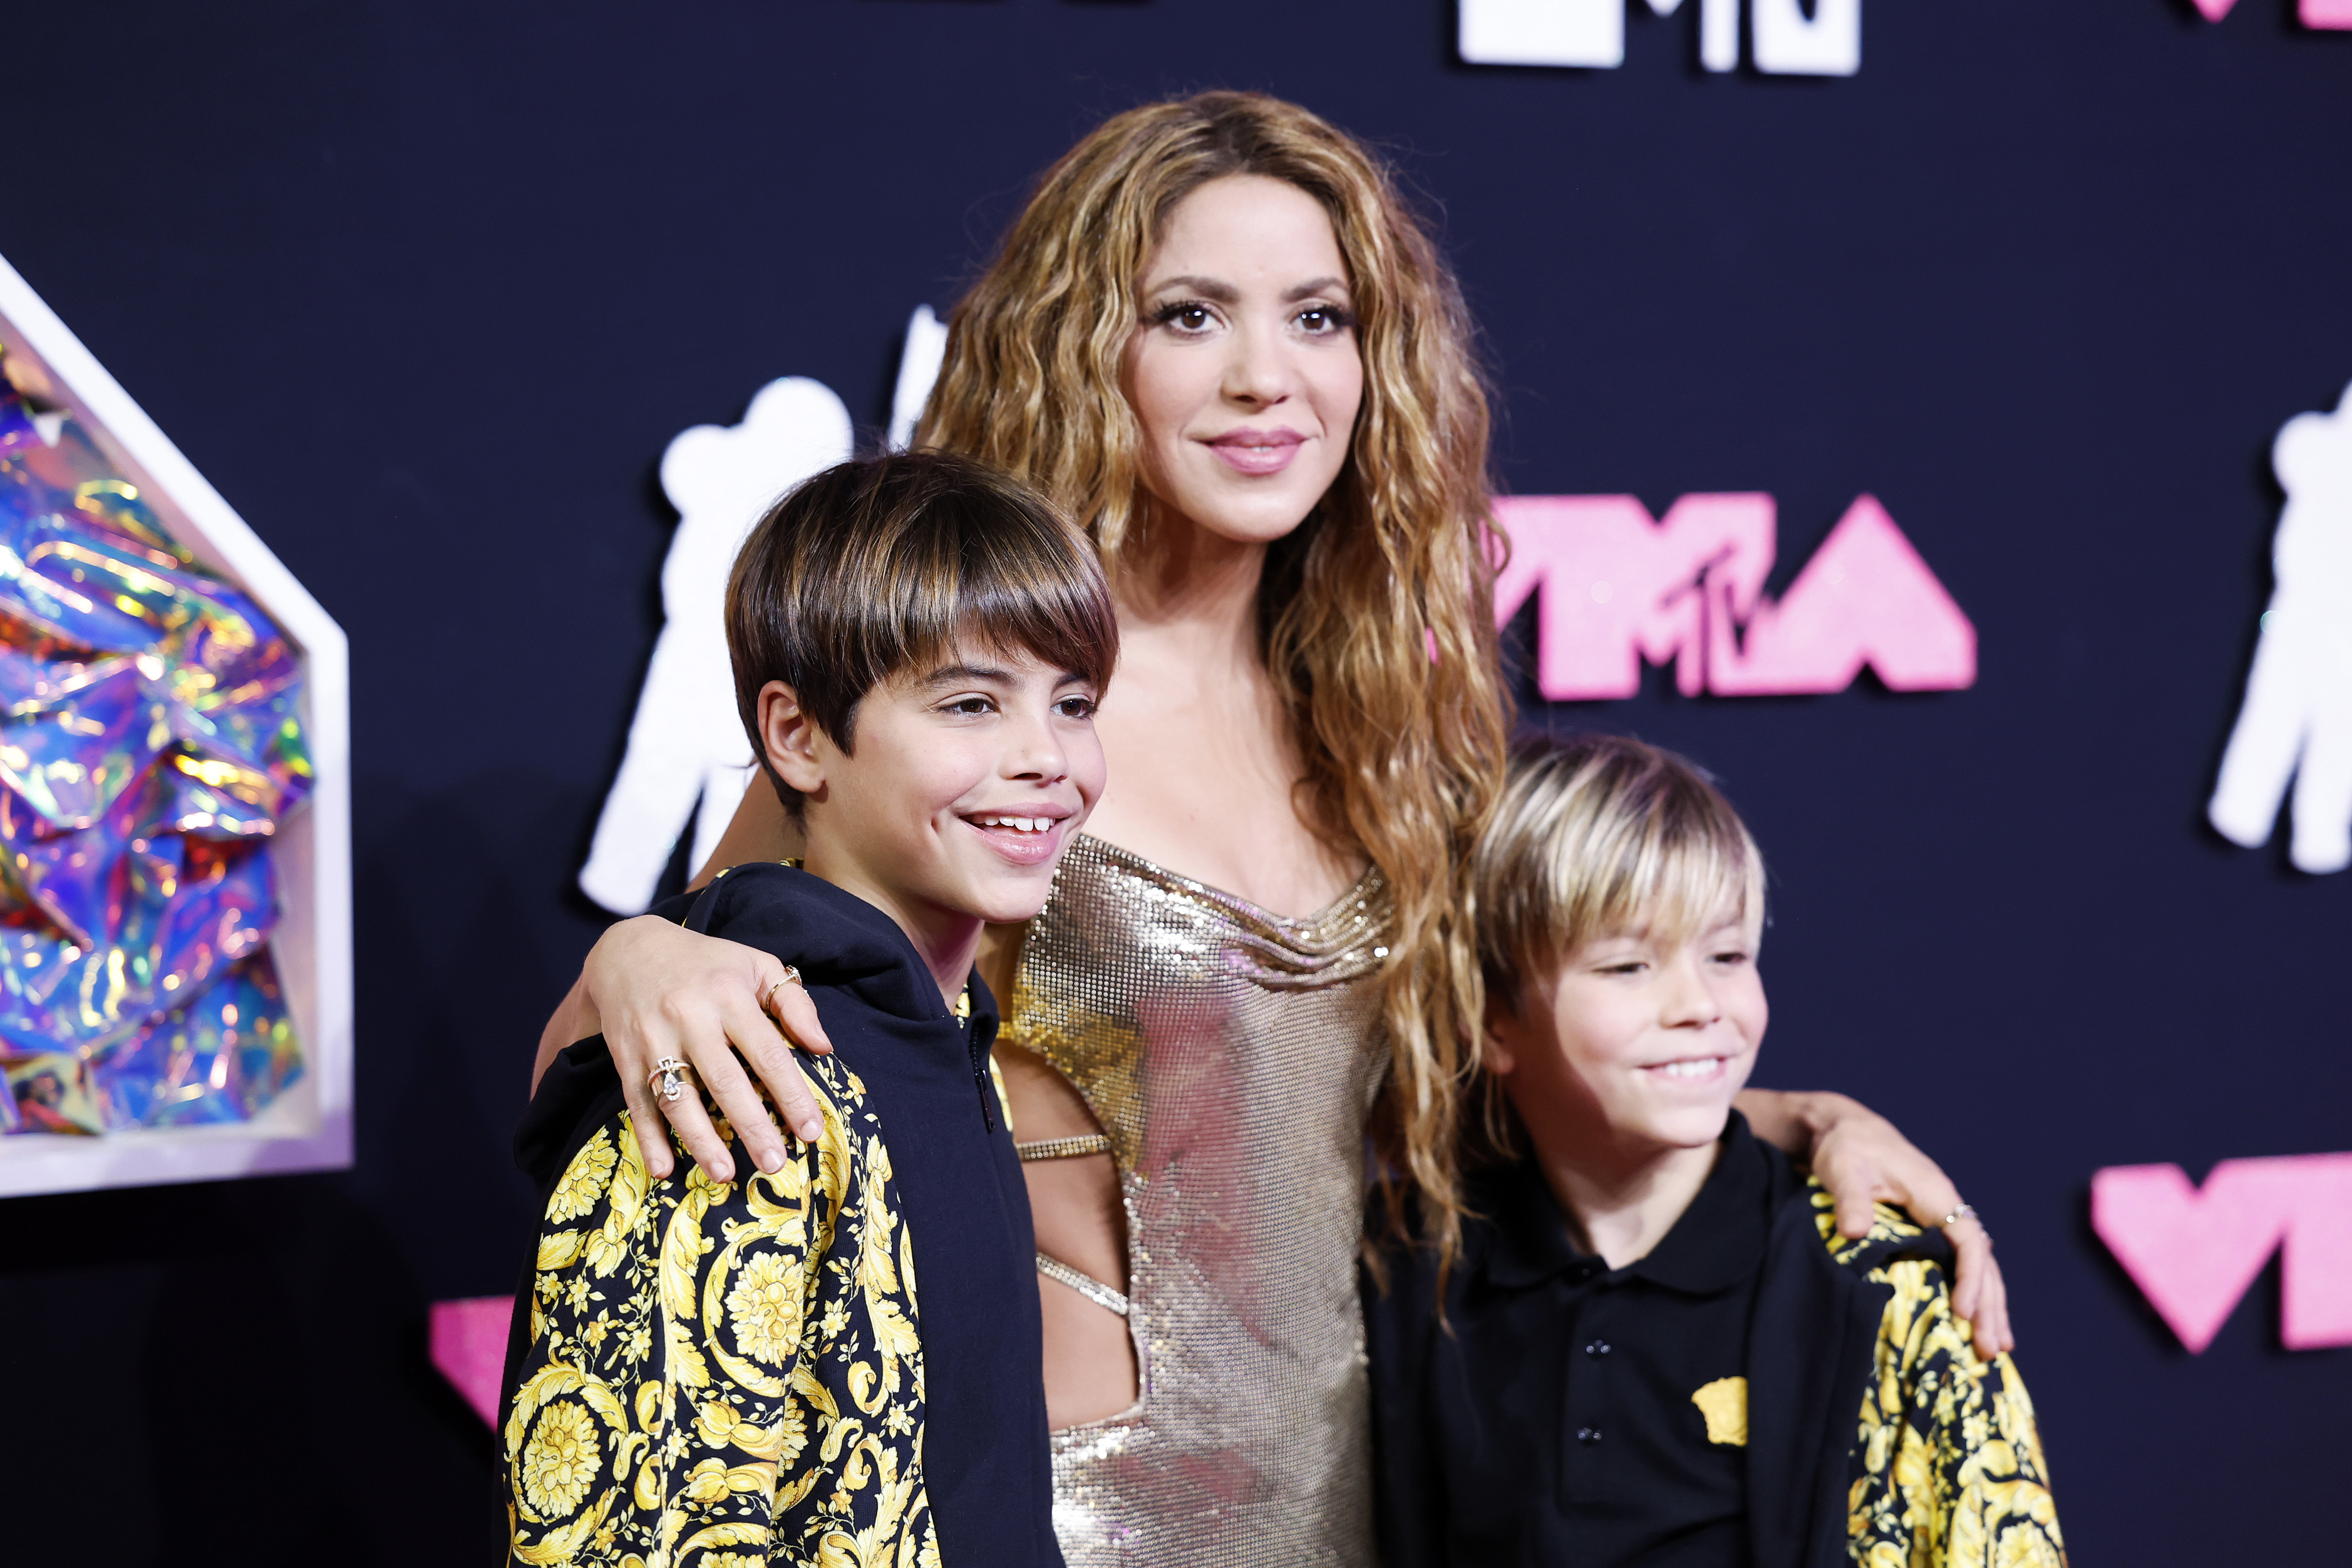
(1950, 1472)
(724, 1373)
(1230, 1056)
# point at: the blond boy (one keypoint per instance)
(1654, 1348)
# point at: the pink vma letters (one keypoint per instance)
(2316, 14)
(1618, 588)
(468, 1346)
(2193, 1252)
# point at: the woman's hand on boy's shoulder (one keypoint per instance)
(661, 991)
(1862, 1160)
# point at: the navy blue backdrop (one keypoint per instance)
(425, 287)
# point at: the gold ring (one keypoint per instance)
(668, 1077)
(1965, 1211)
(791, 977)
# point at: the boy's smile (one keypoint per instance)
(962, 785)
(1023, 838)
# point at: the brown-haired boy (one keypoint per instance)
(745, 1371)
(1655, 1349)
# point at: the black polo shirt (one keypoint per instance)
(1553, 1420)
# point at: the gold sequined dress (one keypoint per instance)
(1230, 1054)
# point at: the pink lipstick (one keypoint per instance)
(1253, 451)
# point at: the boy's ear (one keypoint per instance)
(790, 737)
(1499, 1039)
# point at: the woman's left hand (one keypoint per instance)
(1863, 1160)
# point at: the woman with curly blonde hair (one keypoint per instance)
(1219, 338)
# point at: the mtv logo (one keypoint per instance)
(1783, 39)
(1616, 588)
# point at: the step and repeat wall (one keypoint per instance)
(1932, 418)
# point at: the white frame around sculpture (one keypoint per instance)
(308, 1127)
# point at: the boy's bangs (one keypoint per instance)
(1032, 585)
(1670, 877)
(1602, 836)
(1058, 616)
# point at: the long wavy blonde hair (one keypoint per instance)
(1388, 668)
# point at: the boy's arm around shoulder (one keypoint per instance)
(1948, 1464)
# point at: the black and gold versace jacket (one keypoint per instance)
(725, 1373)
(1945, 1469)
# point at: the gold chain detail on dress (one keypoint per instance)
(1063, 1148)
(1085, 1284)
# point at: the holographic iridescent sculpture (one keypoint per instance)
(150, 745)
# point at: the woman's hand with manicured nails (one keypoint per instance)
(653, 990)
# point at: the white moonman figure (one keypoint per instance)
(919, 362)
(686, 742)
(2297, 723)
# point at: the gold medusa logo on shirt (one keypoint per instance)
(1724, 1403)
